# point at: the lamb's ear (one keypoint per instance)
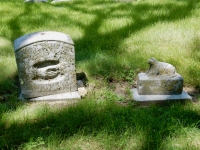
(153, 59)
(149, 61)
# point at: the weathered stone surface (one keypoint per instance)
(46, 64)
(158, 68)
(70, 96)
(160, 82)
(59, 1)
(162, 85)
(41, 36)
(143, 98)
(81, 88)
(27, 1)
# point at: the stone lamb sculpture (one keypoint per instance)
(160, 68)
(160, 82)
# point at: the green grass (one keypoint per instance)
(113, 42)
(104, 125)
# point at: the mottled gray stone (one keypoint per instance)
(28, 1)
(69, 96)
(160, 82)
(46, 64)
(142, 98)
(157, 68)
(58, 1)
(41, 36)
(56, 97)
(163, 85)
(126, 0)
(160, 79)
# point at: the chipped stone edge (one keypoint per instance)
(142, 98)
(35, 1)
(69, 96)
(60, 1)
(41, 36)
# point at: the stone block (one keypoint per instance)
(46, 64)
(60, 1)
(163, 85)
(144, 98)
(70, 96)
(29, 1)
(160, 82)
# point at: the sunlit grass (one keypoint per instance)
(100, 125)
(171, 43)
(113, 42)
(127, 28)
(186, 138)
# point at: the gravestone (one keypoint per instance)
(160, 82)
(46, 66)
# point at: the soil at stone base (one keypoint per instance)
(121, 88)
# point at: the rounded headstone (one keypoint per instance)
(46, 63)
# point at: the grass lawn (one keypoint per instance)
(113, 42)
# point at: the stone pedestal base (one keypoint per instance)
(143, 98)
(56, 97)
(27, 1)
(58, 1)
(68, 96)
(159, 85)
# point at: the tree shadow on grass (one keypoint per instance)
(194, 68)
(157, 123)
(16, 24)
(88, 118)
(107, 44)
(9, 86)
(99, 48)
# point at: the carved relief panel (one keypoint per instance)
(46, 65)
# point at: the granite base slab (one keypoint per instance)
(159, 85)
(28, 1)
(143, 98)
(70, 96)
(59, 1)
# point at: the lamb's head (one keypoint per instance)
(152, 61)
(160, 68)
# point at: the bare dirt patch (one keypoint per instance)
(194, 92)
